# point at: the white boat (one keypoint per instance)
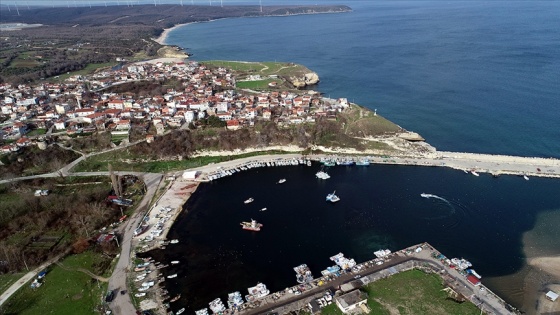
(474, 173)
(249, 200)
(525, 177)
(203, 311)
(332, 197)
(322, 175)
(174, 241)
(303, 274)
(343, 262)
(180, 311)
(172, 276)
(282, 181)
(264, 209)
(474, 273)
(140, 294)
(235, 300)
(217, 306)
(174, 262)
(257, 292)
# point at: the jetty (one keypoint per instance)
(422, 256)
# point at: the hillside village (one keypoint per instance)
(84, 104)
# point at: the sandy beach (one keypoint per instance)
(163, 37)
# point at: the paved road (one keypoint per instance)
(122, 303)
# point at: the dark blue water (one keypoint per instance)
(475, 76)
(480, 218)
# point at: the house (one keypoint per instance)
(60, 124)
(150, 138)
(23, 142)
(351, 301)
(233, 124)
(552, 296)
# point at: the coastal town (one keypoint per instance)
(80, 105)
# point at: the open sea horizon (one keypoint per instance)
(469, 76)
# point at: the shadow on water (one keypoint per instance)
(479, 218)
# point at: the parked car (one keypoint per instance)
(110, 296)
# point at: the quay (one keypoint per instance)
(409, 258)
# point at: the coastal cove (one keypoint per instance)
(381, 207)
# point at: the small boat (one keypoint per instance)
(263, 209)
(332, 197)
(282, 181)
(140, 294)
(180, 311)
(249, 200)
(174, 262)
(174, 241)
(172, 276)
(525, 177)
(251, 226)
(474, 173)
(175, 298)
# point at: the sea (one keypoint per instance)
(469, 76)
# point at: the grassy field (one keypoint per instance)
(65, 290)
(262, 68)
(256, 85)
(123, 161)
(414, 292)
(6, 280)
(89, 69)
(361, 122)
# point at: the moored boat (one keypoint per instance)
(172, 276)
(181, 311)
(303, 274)
(217, 306)
(203, 311)
(235, 300)
(177, 297)
(257, 292)
(474, 173)
(362, 162)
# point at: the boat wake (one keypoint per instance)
(445, 201)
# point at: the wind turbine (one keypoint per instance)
(222, 3)
(15, 3)
(260, 4)
(9, 10)
(27, 2)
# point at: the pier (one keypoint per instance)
(403, 260)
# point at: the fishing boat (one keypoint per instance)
(329, 163)
(174, 241)
(322, 175)
(249, 200)
(282, 181)
(203, 311)
(180, 311)
(251, 226)
(235, 300)
(363, 162)
(303, 274)
(257, 292)
(332, 197)
(172, 276)
(474, 273)
(217, 306)
(177, 297)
